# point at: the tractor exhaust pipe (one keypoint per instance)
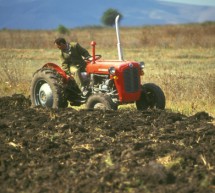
(120, 54)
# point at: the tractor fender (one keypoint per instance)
(58, 69)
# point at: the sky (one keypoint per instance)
(188, 11)
(194, 2)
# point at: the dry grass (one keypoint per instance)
(172, 36)
(181, 59)
(187, 77)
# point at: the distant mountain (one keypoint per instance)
(49, 14)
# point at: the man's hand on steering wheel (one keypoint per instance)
(90, 58)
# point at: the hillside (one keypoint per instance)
(48, 14)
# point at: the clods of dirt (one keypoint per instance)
(68, 150)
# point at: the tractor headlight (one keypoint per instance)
(112, 70)
(142, 65)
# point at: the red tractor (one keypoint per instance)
(110, 83)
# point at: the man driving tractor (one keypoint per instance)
(109, 83)
(72, 60)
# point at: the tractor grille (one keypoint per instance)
(131, 79)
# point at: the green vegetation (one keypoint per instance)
(180, 59)
(108, 18)
(63, 30)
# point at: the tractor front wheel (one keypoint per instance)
(47, 89)
(100, 101)
(151, 97)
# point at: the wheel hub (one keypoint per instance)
(46, 95)
(99, 106)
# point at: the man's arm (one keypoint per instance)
(64, 65)
(82, 50)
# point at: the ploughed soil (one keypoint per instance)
(68, 150)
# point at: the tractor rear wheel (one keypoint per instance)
(100, 101)
(47, 89)
(151, 97)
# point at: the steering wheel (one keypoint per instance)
(90, 58)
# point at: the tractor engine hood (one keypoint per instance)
(103, 66)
